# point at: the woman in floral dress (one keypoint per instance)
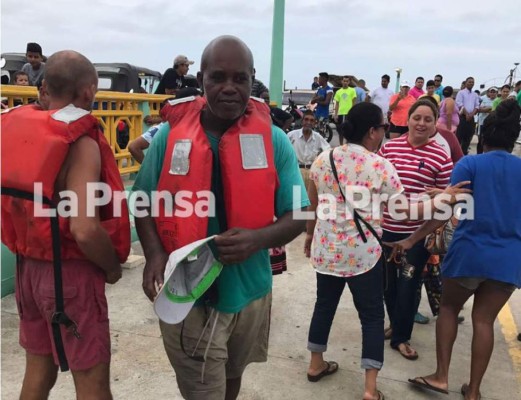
(337, 250)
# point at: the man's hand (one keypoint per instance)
(335, 118)
(153, 274)
(113, 275)
(456, 189)
(236, 245)
(152, 120)
(399, 248)
(307, 245)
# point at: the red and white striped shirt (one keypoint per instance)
(417, 167)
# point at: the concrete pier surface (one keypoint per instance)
(141, 371)
(140, 368)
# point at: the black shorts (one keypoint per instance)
(398, 129)
(341, 119)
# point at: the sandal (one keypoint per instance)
(331, 368)
(406, 354)
(381, 396)
(422, 383)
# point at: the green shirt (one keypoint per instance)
(519, 98)
(496, 102)
(344, 98)
(239, 284)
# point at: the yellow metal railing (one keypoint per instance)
(111, 108)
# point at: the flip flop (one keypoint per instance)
(411, 357)
(464, 389)
(426, 385)
(381, 396)
(332, 367)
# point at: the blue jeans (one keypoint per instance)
(400, 291)
(367, 291)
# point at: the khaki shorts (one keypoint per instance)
(473, 283)
(238, 339)
(305, 177)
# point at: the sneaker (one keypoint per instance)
(421, 319)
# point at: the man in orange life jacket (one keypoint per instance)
(231, 148)
(63, 149)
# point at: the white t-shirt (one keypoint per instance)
(485, 102)
(381, 97)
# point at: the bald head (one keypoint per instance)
(226, 77)
(227, 41)
(68, 74)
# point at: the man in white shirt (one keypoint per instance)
(307, 144)
(485, 108)
(381, 96)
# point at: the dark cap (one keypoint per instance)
(34, 48)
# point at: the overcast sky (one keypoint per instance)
(365, 38)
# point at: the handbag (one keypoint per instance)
(358, 219)
(438, 241)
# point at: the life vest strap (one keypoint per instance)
(59, 317)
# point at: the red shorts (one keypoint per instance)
(84, 302)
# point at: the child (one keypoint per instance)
(21, 78)
(34, 68)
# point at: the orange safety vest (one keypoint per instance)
(35, 144)
(249, 177)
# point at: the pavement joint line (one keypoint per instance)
(135, 334)
(509, 330)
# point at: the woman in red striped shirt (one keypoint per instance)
(420, 163)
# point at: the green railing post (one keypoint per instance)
(277, 52)
(398, 74)
(8, 271)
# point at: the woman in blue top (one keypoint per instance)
(484, 258)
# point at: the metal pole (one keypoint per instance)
(277, 52)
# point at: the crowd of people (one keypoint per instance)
(219, 136)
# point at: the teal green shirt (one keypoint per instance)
(239, 284)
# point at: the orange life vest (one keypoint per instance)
(249, 177)
(35, 144)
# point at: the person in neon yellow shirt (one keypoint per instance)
(345, 99)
